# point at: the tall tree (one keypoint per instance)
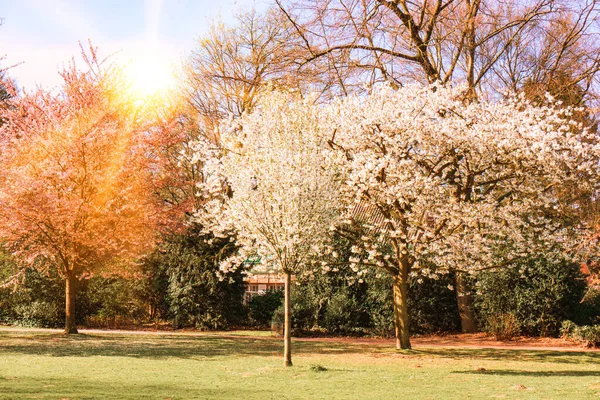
(75, 193)
(493, 47)
(489, 45)
(440, 182)
(231, 64)
(281, 190)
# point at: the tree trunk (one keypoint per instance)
(70, 289)
(401, 309)
(287, 328)
(465, 305)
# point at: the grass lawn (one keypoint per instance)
(42, 365)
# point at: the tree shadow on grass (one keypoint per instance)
(566, 357)
(207, 347)
(31, 387)
(163, 346)
(513, 372)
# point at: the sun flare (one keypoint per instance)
(149, 76)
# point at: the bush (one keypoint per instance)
(432, 305)
(305, 310)
(589, 309)
(327, 303)
(195, 294)
(503, 326)
(587, 335)
(114, 302)
(39, 301)
(343, 314)
(39, 314)
(537, 295)
(262, 307)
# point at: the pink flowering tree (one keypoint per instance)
(75, 190)
(432, 178)
(275, 187)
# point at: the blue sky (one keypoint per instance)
(43, 35)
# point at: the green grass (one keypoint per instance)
(42, 365)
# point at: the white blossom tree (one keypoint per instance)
(274, 186)
(432, 178)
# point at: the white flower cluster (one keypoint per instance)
(282, 187)
(427, 176)
(452, 183)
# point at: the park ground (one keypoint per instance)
(44, 364)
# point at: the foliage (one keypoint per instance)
(503, 326)
(343, 314)
(195, 294)
(432, 304)
(38, 301)
(114, 301)
(103, 302)
(589, 310)
(262, 307)
(589, 335)
(328, 303)
(532, 298)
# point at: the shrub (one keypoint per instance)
(196, 295)
(589, 309)
(588, 335)
(503, 326)
(343, 314)
(38, 301)
(538, 293)
(262, 307)
(114, 302)
(327, 303)
(567, 328)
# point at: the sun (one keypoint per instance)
(149, 76)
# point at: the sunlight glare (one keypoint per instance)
(149, 76)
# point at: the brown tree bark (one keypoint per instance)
(465, 305)
(287, 329)
(70, 290)
(400, 285)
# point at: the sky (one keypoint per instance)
(43, 35)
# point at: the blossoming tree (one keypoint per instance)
(281, 192)
(432, 178)
(75, 193)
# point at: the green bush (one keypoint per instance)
(262, 307)
(343, 314)
(589, 308)
(588, 335)
(327, 303)
(114, 302)
(503, 326)
(305, 310)
(539, 294)
(38, 301)
(196, 296)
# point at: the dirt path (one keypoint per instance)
(477, 340)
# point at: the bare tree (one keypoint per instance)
(491, 45)
(231, 64)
